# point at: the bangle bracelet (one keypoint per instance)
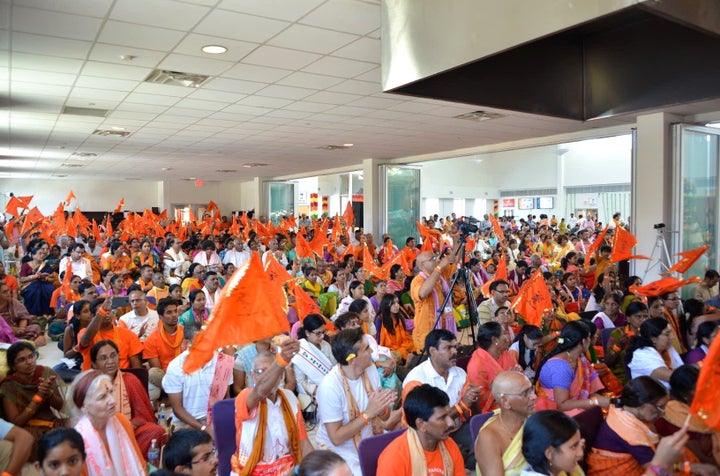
(465, 407)
(281, 361)
(37, 398)
(364, 418)
(686, 467)
(460, 413)
(616, 349)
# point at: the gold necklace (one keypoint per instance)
(511, 435)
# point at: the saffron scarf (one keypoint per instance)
(292, 429)
(354, 411)
(418, 463)
(124, 458)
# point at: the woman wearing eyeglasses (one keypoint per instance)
(651, 352)
(619, 342)
(627, 440)
(675, 316)
(30, 392)
(131, 398)
(314, 360)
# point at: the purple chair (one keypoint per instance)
(370, 448)
(224, 429)
(476, 422)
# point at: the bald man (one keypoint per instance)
(498, 447)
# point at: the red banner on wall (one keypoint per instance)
(325, 201)
(313, 202)
(508, 202)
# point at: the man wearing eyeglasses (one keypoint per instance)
(190, 451)
(498, 447)
(500, 291)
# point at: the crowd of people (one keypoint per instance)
(382, 338)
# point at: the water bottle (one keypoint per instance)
(162, 417)
(154, 454)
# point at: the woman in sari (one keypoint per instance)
(566, 381)
(393, 333)
(651, 352)
(108, 435)
(610, 316)
(82, 315)
(573, 296)
(619, 342)
(193, 278)
(314, 360)
(704, 442)
(30, 392)
(146, 257)
(489, 359)
(131, 398)
(197, 312)
(524, 348)
(37, 280)
(16, 320)
(119, 263)
(706, 332)
(310, 283)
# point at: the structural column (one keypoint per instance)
(371, 197)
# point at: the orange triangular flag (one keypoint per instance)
(25, 200)
(304, 304)
(707, 389)
(108, 227)
(96, 232)
(349, 250)
(349, 216)
(120, 206)
(12, 206)
(235, 227)
(34, 216)
(368, 263)
(499, 233)
(594, 246)
(319, 241)
(427, 245)
(623, 243)
(302, 247)
(688, 259)
(191, 216)
(70, 197)
(212, 207)
(276, 272)
(249, 309)
(80, 219)
(500, 274)
(662, 286)
(66, 282)
(533, 300)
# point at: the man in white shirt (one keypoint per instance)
(80, 266)
(211, 289)
(141, 320)
(175, 262)
(237, 256)
(440, 371)
(273, 249)
(93, 248)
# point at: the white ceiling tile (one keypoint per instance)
(170, 117)
(260, 101)
(237, 50)
(100, 94)
(26, 91)
(162, 13)
(220, 96)
(191, 103)
(375, 102)
(135, 107)
(94, 103)
(331, 98)
(46, 63)
(289, 10)
(139, 36)
(234, 85)
(163, 89)
(251, 72)
(180, 111)
(285, 92)
(238, 26)
(364, 49)
(51, 46)
(115, 71)
(112, 54)
(374, 75)
(249, 110)
(194, 64)
(412, 106)
(353, 86)
(307, 38)
(345, 15)
(303, 106)
(308, 80)
(30, 20)
(351, 110)
(105, 83)
(24, 75)
(151, 99)
(280, 57)
(341, 67)
(288, 114)
(95, 8)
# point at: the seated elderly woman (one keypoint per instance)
(651, 353)
(566, 381)
(30, 392)
(16, 320)
(131, 398)
(627, 439)
(108, 435)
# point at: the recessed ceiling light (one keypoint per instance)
(250, 165)
(214, 49)
(335, 147)
(165, 169)
(348, 145)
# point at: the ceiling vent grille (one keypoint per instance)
(70, 165)
(111, 132)
(251, 165)
(334, 147)
(176, 78)
(85, 111)
(479, 116)
(84, 155)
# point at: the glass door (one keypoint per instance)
(696, 204)
(281, 200)
(400, 192)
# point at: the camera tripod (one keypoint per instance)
(660, 256)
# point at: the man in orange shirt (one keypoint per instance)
(163, 345)
(101, 327)
(426, 447)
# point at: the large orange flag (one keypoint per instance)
(212, 207)
(500, 274)
(533, 300)
(302, 247)
(67, 277)
(623, 243)
(33, 217)
(249, 309)
(662, 286)
(275, 271)
(70, 197)
(12, 206)
(304, 304)
(594, 246)
(688, 259)
(96, 232)
(496, 227)
(349, 216)
(707, 389)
